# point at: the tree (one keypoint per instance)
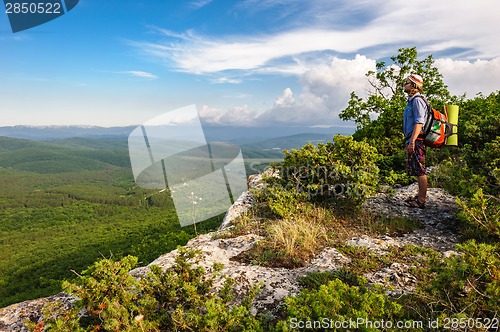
(379, 116)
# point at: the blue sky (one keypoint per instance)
(248, 62)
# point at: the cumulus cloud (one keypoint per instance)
(235, 116)
(470, 77)
(210, 115)
(325, 92)
(285, 100)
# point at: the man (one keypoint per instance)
(413, 120)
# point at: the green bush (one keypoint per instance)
(283, 202)
(182, 298)
(344, 170)
(111, 300)
(489, 160)
(456, 177)
(482, 212)
(339, 302)
(185, 300)
(466, 285)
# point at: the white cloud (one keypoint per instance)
(236, 116)
(222, 80)
(470, 77)
(325, 92)
(210, 115)
(464, 31)
(285, 100)
(432, 26)
(199, 3)
(326, 88)
(239, 116)
(143, 74)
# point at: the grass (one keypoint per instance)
(297, 237)
(292, 241)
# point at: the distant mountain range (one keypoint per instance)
(237, 135)
(65, 148)
(44, 133)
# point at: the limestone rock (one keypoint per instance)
(12, 317)
(277, 283)
(438, 221)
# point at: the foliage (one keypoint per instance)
(482, 212)
(473, 171)
(343, 170)
(489, 159)
(111, 297)
(338, 301)
(457, 178)
(283, 202)
(466, 284)
(182, 298)
(185, 300)
(478, 120)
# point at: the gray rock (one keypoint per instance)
(12, 318)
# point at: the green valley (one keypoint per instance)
(65, 204)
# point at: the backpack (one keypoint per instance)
(436, 129)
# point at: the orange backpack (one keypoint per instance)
(436, 128)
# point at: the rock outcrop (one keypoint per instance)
(437, 233)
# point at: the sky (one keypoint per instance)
(247, 62)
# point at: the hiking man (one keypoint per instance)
(413, 120)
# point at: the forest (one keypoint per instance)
(67, 203)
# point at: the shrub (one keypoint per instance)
(182, 298)
(285, 203)
(186, 301)
(456, 177)
(110, 298)
(344, 170)
(339, 302)
(482, 212)
(467, 284)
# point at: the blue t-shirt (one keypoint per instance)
(414, 112)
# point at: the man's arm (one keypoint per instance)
(416, 131)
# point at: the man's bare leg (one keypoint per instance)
(422, 188)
